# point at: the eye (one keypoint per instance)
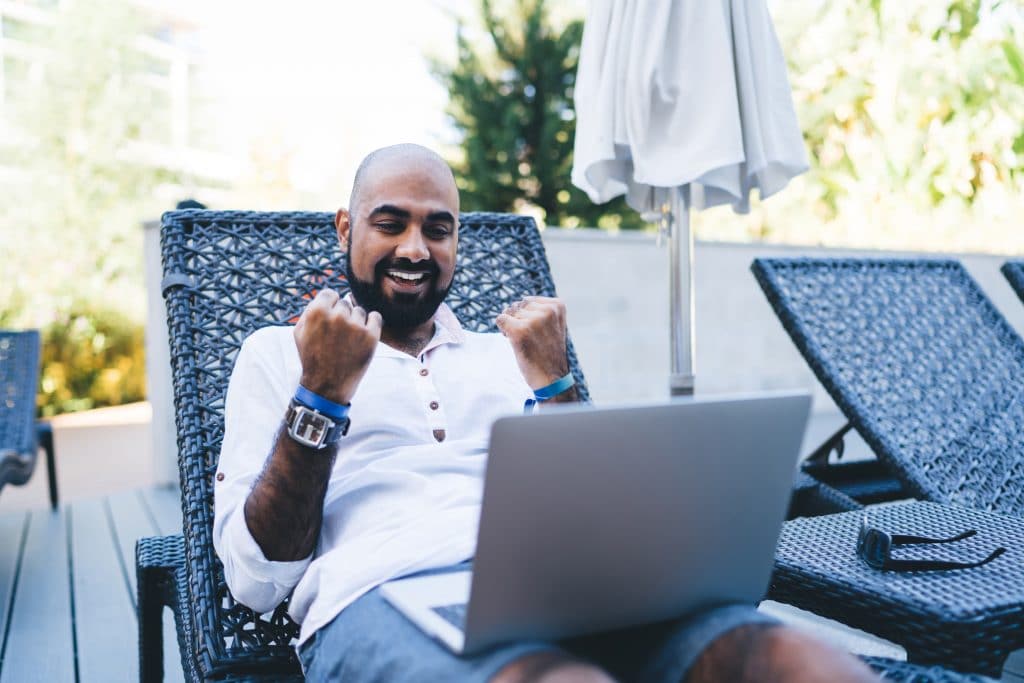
(390, 226)
(437, 231)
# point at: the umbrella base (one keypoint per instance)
(681, 385)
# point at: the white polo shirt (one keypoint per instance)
(405, 491)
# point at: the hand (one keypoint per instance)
(336, 342)
(536, 328)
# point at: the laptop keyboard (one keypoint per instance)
(453, 614)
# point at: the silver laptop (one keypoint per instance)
(595, 519)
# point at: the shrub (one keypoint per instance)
(91, 358)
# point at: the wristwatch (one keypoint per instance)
(312, 428)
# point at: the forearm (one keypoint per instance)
(284, 510)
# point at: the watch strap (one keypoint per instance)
(312, 428)
(335, 411)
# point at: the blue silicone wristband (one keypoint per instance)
(550, 391)
(555, 388)
(317, 402)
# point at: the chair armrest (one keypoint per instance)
(159, 573)
(157, 558)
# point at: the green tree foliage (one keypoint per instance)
(511, 100)
(913, 114)
(922, 86)
(76, 184)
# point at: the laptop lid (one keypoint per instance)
(596, 519)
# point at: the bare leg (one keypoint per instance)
(776, 653)
(551, 667)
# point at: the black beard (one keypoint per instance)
(405, 311)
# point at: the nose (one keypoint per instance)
(412, 246)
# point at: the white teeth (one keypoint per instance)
(408, 277)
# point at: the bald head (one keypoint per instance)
(405, 156)
(400, 235)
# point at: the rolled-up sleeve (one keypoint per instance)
(258, 394)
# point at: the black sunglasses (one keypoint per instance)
(874, 546)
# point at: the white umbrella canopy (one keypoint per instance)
(679, 104)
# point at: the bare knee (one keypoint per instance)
(776, 653)
(550, 667)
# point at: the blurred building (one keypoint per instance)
(172, 68)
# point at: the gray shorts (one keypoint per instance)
(370, 641)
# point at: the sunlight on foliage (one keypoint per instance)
(511, 92)
(92, 357)
(71, 206)
(913, 114)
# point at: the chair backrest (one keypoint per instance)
(1013, 271)
(228, 273)
(19, 377)
(921, 362)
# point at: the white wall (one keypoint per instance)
(616, 290)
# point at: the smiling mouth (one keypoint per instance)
(407, 278)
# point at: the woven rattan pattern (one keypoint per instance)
(968, 619)
(227, 274)
(1014, 272)
(904, 672)
(19, 375)
(921, 362)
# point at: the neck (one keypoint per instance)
(412, 340)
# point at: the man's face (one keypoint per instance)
(401, 240)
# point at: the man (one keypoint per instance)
(308, 506)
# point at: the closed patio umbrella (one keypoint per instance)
(680, 104)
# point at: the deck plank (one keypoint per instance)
(12, 532)
(165, 504)
(39, 644)
(131, 522)
(148, 512)
(104, 608)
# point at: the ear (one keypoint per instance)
(343, 226)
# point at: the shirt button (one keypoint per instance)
(220, 476)
(424, 372)
(434, 405)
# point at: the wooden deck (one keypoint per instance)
(67, 593)
(67, 588)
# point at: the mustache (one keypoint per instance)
(428, 267)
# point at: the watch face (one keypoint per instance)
(309, 427)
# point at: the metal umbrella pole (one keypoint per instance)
(675, 222)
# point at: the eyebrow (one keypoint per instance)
(390, 209)
(441, 216)
(393, 210)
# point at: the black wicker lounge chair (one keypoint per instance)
(20, 434)
(920, 362)
(931, 375)
(1013, 270)
(225, 275)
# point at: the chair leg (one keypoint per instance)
(44, 433)
(151, 628)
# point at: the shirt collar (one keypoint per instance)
(447, 328)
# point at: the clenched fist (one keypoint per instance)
(336, 341)
(536, 328)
